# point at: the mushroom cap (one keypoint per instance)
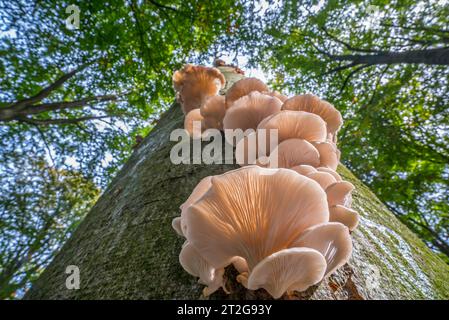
(276, 94)
(242, 88)
(304, 169)
(193, 84)
(344, 215)
(294, 124)
(194, 264)
(213, 112)
(253, 212)
(288, 269)
(332, 172)
(328, 154)
(339, 193)
(176, 225)
(248, 111)
(240, 264)
(200, 189)
(246, 150)
(189, 122)
(294, 152)
(325, 179)
(313, 104)
(332, 240)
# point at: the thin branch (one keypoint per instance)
(61, 121)
(348, 77)
(46, 144)
(162, 6)
(21, 104)
(347, 45)
(66, 104)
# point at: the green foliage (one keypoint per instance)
(39, 208)
(123, 50)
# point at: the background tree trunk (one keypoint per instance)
(126, 248)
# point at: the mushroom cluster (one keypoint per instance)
(283, 220)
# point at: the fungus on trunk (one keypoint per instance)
(248, 111)
(194, 84)
(213, 112)
(243, 87)
(313, 104)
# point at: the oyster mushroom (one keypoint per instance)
(247, 213)
(332, 240)
(294, 124)
(344, 215)
(242, 88)
(248, 111)
(313, 104)
(213, 112)
(293, 152)
(339, 193)
(194, 84)
(194, 264)
(194, 123)
(276, 94)
(287, 270)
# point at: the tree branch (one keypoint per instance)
(61, 121)
(35, 109)
(162, 6)
(21, 104)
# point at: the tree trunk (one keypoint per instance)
(126, 248)
(438, 56)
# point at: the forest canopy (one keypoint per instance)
(74, 101)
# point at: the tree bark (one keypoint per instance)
(126, 248)
(438, 56)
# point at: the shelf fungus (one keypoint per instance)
(248, 111)
(194, 123)
(213, 112)
(338, 194)
(194, 84)
(246, 218)
(313, 104)
(242, 88)
(283, 219)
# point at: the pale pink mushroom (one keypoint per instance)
(194, 84)
(240, 264)
(242, 88)
(246, 150)
(248, 111)
(276, 94)
(293, 269)
(313, 104)
(213, 112)
(332, 240)
(176, 225)
(194, 264)
(253, 212)
(294, 152)
(193, 123)
(323, 178)
(304, 169)
(332, 172)
(200, 189)
(294, 124)
(344, 215)
(339, 193)
(328, 154)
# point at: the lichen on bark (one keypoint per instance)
(126, 248)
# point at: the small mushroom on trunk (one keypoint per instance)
(243, 87)
(194, 84)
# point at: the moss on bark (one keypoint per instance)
(126, 249)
